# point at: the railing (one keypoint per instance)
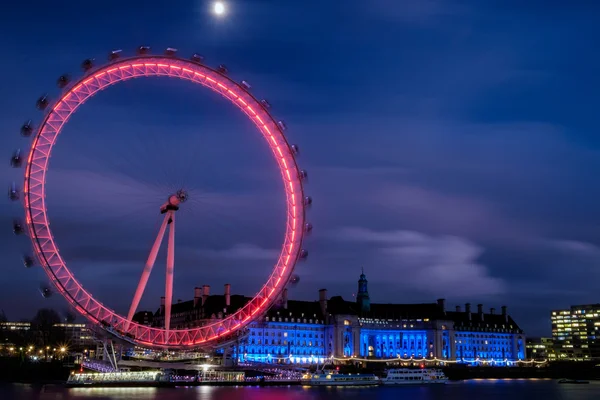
(97, 365)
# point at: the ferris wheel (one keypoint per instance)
(36, 224)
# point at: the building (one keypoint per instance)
(291, 332)
(15, 326)
(576, 332)
(143, 318)
(78, 337)
(75, 336)
(305, 332)
(540, 349)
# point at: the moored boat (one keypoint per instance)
(408, 376)
(334, 378)
(574, 381)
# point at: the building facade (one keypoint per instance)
(576, 332)
(311, 332)
(540, 349)
(304, 332)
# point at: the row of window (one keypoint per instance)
(255, 332)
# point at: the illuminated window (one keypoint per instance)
(346, 322)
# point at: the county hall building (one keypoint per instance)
(310, 332)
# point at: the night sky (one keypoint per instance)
(452, 149)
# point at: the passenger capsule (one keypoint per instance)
(294, 280)
(88, 64)
(13, 192)
(308, 201)
(295, 149)
(245, 85)
(282, 125)
(45, 291)
(18, 227)
(170, 51)
(303, 254)
(16, 161)
(114, 55)
(27, 129)
(222, 69)
(28, 261)
(303, 174)
(42, 103)
(265, 104)
(143, 50)
(308, 227)
(197, 58)
(63, 81)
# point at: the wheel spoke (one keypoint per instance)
(170, 267)
(139, 292)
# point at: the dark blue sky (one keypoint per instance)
(452, 149)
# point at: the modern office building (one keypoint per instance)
(74, 336)
(576, 332)
(540, 349)
(305, 332)
(78, 337)
(15, 326)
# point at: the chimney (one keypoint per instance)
(492, 311)
(323, 300)
(442, 305)
(205, 293)
(284, 298)
(480, 311)
(458, 309)
(162, 305)
(227, 295)
(197, 296)
(468, 310)
(504, 314)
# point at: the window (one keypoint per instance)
(346, 322)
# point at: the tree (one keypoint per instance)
(69, 317)
(45, 329)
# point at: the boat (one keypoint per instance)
(334, 378)
(126, 378)
(408, 376)
(574, 381)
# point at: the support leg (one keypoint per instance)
(170, 267)
(147, 269)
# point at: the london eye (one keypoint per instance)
(36, 224)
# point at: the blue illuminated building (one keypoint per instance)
(304, 332)
(311, 332)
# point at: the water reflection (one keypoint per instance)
(501, 389)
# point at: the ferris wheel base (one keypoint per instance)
(128, 340)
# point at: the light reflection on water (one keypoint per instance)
(488, 389)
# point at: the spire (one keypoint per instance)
(362, 296)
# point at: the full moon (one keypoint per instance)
(219, 8)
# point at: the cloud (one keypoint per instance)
(243, 251)
(434, 265)
(576, 247)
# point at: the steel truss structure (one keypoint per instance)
(38, 224)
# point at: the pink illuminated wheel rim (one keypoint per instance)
(46, 249)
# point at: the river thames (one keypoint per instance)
(470, 390)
